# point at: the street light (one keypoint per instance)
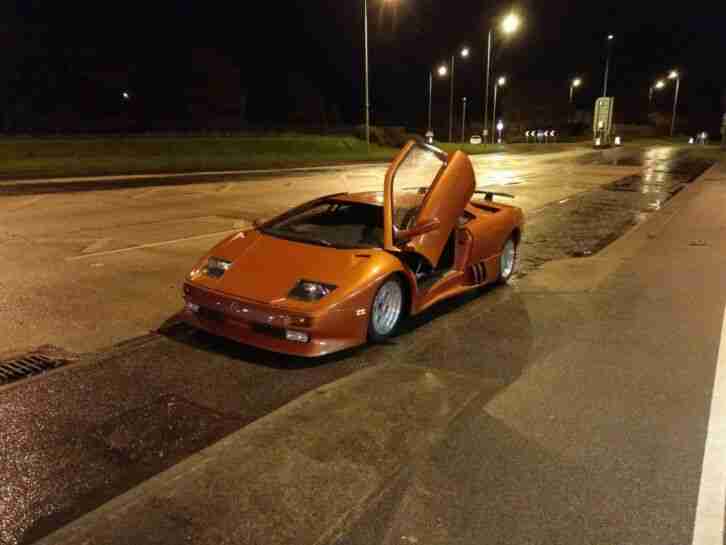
(501, 82)
(610, 39)
(573, 85)
(676, 76)
(442, 71)
(511, 23)
(657, 86)
(464, 52)
(463, 119)
(576, 82)
(500, 128)
(508, 25)
(367, 83)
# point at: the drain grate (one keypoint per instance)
(33, 363)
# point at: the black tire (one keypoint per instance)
(381, 328)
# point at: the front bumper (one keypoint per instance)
(264, 326)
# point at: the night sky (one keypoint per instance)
(187, 62)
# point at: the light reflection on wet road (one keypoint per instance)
(584, 224)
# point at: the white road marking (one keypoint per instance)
(709, 526)
(150, 245)
(96, 246)
(145, 193)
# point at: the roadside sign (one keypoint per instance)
(602, 123)
(603, 119)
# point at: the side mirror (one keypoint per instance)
(417, 230)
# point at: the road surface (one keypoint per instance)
(571, 407)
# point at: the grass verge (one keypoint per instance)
(24, 158)
(57, 157)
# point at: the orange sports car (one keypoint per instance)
(347, 268)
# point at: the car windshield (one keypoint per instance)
(412, 180)
(333, 223)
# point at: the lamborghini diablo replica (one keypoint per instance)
(346, 268)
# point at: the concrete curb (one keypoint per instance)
(168, 175)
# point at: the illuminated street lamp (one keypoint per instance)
(501, 82)
(508, 25)
(464, 52)
(610, 39)
(574, 84)
(676, 76)
(511, 23)
(442, 72)
(125, 95)
(657, 86)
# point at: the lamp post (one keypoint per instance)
(465, 51)
(676, 76)
(610, 39)
(499, 83)
(368, 98)
(430, 95)
(657, 86)
(574, 84)
(442, 71)
(463, 119)
(508, 25)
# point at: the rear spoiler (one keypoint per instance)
(489, 195)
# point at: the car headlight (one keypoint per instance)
(307, 290)
(216, 267)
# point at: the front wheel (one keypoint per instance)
(386, 310)
(507, 261)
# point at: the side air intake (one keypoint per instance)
(478, 273)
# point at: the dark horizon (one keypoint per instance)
(276, 64)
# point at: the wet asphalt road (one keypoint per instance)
(76, 437)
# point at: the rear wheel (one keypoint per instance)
(507, 261)
(386, 310)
